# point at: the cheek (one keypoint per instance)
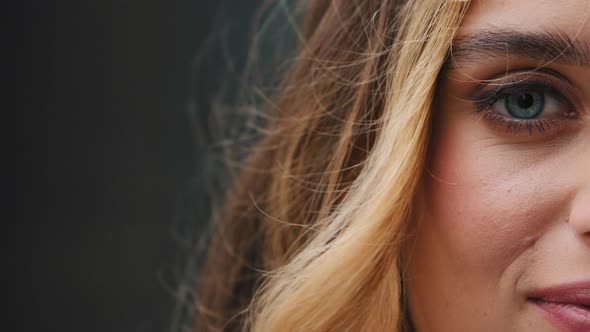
(486, 202)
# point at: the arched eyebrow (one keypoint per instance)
(544, 46)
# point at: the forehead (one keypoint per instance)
(569, 16)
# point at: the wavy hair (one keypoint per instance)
(312, 232)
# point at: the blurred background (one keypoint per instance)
(109, 92)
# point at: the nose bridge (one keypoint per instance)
(582, 163)
(582, 155)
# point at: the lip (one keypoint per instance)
(566, 306)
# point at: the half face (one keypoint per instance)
(504, 241)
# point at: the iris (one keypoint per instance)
(526, 105)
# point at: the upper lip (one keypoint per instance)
(575, 293)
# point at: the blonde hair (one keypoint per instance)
(311, 236)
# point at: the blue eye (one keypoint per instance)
(528, 106)
(525, 105)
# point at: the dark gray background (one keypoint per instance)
(105, 149)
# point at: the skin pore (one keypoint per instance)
(506, 199)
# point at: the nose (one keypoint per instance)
(579, 214)
(579, 217)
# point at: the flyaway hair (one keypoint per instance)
(311, 234)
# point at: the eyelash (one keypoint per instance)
(517, 126)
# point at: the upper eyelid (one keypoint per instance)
(564, 91)
(530, 72)
(522, 74)
(539, 87)
(486, 101)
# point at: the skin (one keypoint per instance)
(504, 212)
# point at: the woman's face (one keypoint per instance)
(504, 242)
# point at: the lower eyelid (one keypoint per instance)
(506, 125)
(519, 127)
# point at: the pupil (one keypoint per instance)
(525, 100)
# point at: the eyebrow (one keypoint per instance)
(543, 46)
